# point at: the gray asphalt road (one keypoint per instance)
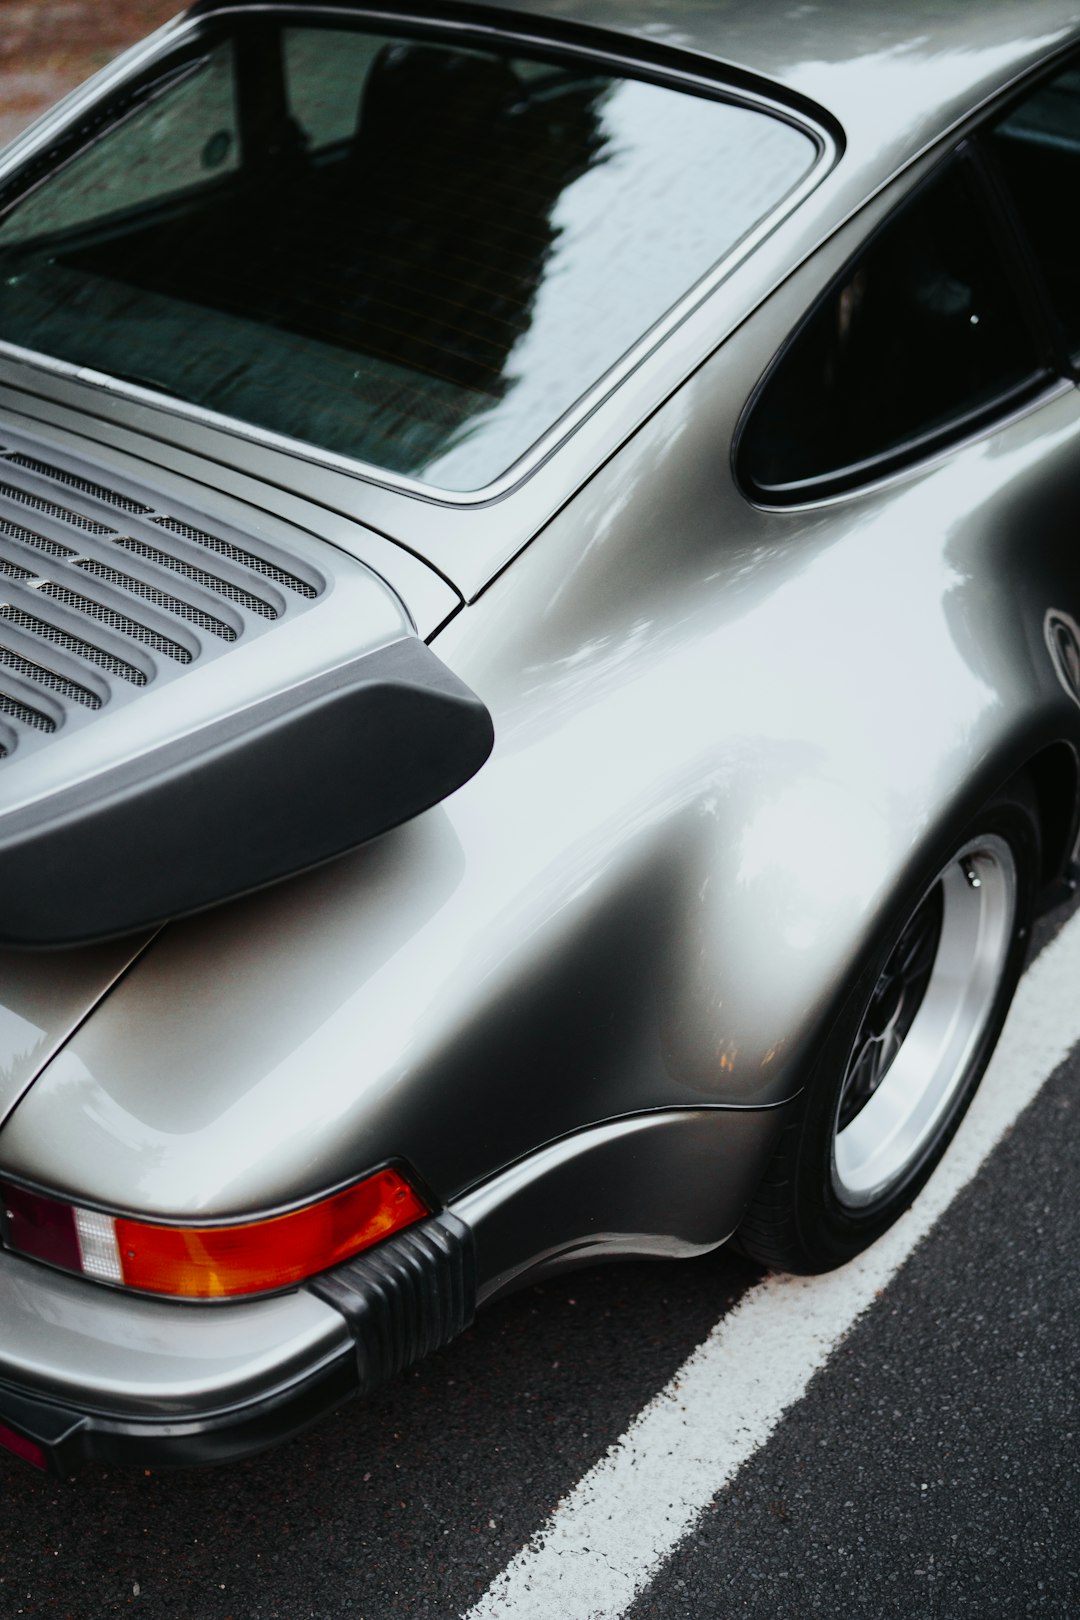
(932, 1468)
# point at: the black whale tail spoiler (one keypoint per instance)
(193, 706)
(287, 783)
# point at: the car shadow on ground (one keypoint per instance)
(407, 1504)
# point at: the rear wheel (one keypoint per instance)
(906, 1054)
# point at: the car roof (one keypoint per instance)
(885, 71)
(896, 77)
(891, 80)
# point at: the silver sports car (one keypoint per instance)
(539, 665)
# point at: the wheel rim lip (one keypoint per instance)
(891, 1135)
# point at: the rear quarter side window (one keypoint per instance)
(920, 336)
(1036, 148)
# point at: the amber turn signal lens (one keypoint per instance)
(211, 1262)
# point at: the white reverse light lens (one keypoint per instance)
(97, 1244)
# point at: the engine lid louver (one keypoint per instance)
(88, 572)
(167, 720)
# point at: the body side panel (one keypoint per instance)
(661, 1185)
(726, 739)
(40, 1005)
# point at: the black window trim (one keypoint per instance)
(1025, 279)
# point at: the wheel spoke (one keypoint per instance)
(918, 946)
(863, 1076)
(893, 1007)
(889, 1046)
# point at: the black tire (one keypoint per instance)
(819, 1203)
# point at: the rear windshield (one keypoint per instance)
(408, 252)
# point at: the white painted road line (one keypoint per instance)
(624, 1519)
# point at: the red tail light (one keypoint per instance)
(214, 1261)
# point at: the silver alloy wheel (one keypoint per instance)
(911, 1058)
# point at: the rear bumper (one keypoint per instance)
(92, 1374)
(59, 1438)
(343, 1335)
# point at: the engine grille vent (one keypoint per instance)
(104, 591)
(73, 644)
(212, 582)
(77, 520)
(117, 621)
(48, 677)
(40, 542)
(246, 559)
(22, 711)
(160, 598)
(57, 475)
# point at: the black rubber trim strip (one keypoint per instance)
(286, 784)
(406, 1298)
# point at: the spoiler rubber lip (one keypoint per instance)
(281, 786)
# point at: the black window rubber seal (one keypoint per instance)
(909, 453)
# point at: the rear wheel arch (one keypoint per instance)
(800, 1218)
